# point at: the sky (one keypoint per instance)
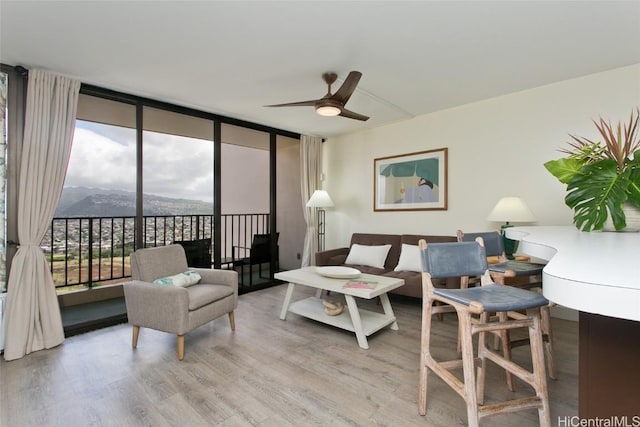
(104, 156)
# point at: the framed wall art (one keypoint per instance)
(411, 182)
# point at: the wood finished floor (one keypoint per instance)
(267, 373)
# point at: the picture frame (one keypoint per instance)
(411, 182)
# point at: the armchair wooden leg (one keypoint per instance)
(134, 338)
(232, 321)
(180, 347)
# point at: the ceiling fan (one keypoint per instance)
(333, 104)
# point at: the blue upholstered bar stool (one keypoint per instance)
(532, 272)
(464, 259)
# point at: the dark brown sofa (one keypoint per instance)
(412, 280)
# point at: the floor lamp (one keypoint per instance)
(320, 199)
(510, 209)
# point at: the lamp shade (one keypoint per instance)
(320, 199)
(511, 209)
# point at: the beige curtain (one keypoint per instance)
(311, 167)
(33, 315)
(4, 88)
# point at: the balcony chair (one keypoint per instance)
(521, 274)
(259, 253)
(176, 309)
(198, 252)
(464, 259)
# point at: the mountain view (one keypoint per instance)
(91, 202)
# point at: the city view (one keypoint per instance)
(95, 216)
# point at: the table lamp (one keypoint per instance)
(510, 209)
(320, 199)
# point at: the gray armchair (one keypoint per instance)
(173, 309)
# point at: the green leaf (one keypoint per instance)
(596, 192)
(564, 169)
(633, 191)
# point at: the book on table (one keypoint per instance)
(360, 284)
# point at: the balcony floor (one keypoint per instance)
(81, 318)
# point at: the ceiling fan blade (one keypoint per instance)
(344, 93)
(351, 115)
(296, 104)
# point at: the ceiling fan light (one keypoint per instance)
(327, 110)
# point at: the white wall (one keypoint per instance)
(497, 148)
(245, 180)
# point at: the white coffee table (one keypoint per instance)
(362, 322)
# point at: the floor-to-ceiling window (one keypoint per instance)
(144, 173)
(177, 177)
(93, 231)
(245, 202)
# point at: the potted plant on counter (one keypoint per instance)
(603, 177)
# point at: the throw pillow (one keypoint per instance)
(372, 256)
(410, 259)
(182, 280)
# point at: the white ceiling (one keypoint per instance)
(234, 57)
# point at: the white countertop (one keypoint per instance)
(596, 272)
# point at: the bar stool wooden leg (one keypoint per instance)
(425, 353)
(506, 348)
(539, 375)
(482, 345)
(545, 318)
(470, 397)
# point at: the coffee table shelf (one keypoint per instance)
(312, 308)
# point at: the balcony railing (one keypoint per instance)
(93, 251)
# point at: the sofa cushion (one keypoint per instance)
(201, 295)
(372, 256)
(380, 239)
(181, 280)
(410, 259)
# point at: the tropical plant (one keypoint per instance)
(601, 176)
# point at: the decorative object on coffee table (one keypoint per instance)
(333, 308)
(338, 272)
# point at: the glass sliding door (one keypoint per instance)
(177, 182)
(92, 233)
(245, 204)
